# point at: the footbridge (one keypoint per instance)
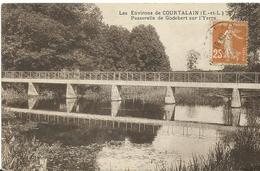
(230, 80)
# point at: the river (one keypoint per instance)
(134, 134)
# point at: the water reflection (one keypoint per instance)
(180, 139)
(70, 103)
(133, 134)
(31, 102)
(115, 106)
(236, 112)
(72, 128)
(164, 149)
(128, 142)
(243, 119)
(171, 112)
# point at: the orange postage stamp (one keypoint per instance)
(229, 40)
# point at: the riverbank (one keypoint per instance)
(237, 151)
(190, 96)
(240, 152)
(23, 153)
(10, 93)
(231, 146)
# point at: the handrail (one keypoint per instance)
(175, 76)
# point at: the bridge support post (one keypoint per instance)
(235, 99)
(169, 112)
(32, 90)
(70, 104)
(31, 102)
(236, 112)
(169, 97)
(115, 106)
(115, 93)
(77, 108)
(70, 93)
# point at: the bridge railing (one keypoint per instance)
(177, 76)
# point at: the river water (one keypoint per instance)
(147, 136)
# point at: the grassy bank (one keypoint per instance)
(11, 93)
(21, 153)
(241, 152)
(191, 96)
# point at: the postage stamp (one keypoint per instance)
(229, 39)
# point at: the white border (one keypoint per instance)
(129, 1)
(110, 1)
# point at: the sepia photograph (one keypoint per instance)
(130, 86)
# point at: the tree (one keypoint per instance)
(38, 36)
(57, 36)
(119, 38)
(192, 59)
(112, 49)
(148, 53)
(249, 12)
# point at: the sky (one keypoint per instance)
(178, 36)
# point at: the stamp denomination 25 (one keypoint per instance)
(229, 40)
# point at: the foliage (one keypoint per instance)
(18, 156)
(148, 52)
(73, 36)
(21, 153)
(249, 12)
(192, 59)
(246, 150)
(36, 36)
(217, 160)
(242, 152)
(235, 68)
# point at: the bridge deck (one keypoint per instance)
(139, 83)
(241, 80)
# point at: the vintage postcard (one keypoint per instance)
(130, 86)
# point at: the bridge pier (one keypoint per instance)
(70, 93)
(115, 93)
(115, 106)
(236, 112)
(70, 104)
(169, 97)
(77, 108)
(32, 90)
(235, 99)
(169, 112)
(31, 102)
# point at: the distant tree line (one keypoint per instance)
(73, 36)
(192, 59)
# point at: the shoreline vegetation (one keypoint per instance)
(241, 152)
(152, 95)
(238, 151)
(21, 153)
(188, 96)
